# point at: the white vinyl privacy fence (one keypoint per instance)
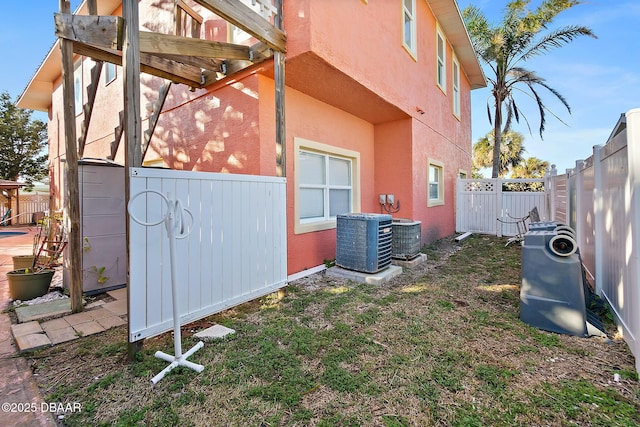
(481, 202)
(603, 206)
(236, 250)
(600, 200)
(32, 207)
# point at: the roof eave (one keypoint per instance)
(448, 16)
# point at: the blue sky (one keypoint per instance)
(600, 78)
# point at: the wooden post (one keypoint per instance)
(72, 204)
(278, 66)
(281, 143)
(132, 125)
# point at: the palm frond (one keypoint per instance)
(541, 108)
(556, 39)
(556, 93)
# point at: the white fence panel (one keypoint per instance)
(585, 226)
(236, 251)
(615, 233)
(604, 209)
(558, 195)
(477, 206)
(480, 202)
(29, 204)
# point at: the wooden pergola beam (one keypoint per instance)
(106, 32)
(150, 64)
(246, 19)
(157, 43)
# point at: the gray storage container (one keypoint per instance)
(102, 226)
(554, 295)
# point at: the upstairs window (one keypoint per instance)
(109, 71)
(441, 61)
(77, 86)
(455, 74)
(409, 25)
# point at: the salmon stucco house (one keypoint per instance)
(377, 102)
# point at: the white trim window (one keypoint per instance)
(109, 72)
(455, 84)
(77, 86)
(441, 61)
(435, 186)
(409, 26)
(325, 186)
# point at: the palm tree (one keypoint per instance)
(505, 47)
(511, 151)
(531, 167)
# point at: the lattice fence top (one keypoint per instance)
(479, 186)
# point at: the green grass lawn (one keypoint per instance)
(440, 345)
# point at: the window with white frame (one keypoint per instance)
(77, 86)
(435, 186)
(409, 25)
(441, 58)
(327, 184)
(109, 71)
(455, 65)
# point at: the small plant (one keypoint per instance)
(86, 245)
(102, 279)
(329, 263)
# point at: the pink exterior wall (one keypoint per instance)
(312, 120)
(350, 84)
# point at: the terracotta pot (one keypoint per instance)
(25, 261)
(26, 286)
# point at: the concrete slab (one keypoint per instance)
(111, 322)
(94, 304)
(55, 324)
(118, 293)
(410, 263)
(88, 328)
(28, 328)
(118, 307)
(370, 278)
(32, 342)
(61, 335)
(99, 313)
(42, 311)
(77, 318)
(214, 332)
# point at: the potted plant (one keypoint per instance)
(33, 280)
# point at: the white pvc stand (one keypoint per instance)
(174, 222)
